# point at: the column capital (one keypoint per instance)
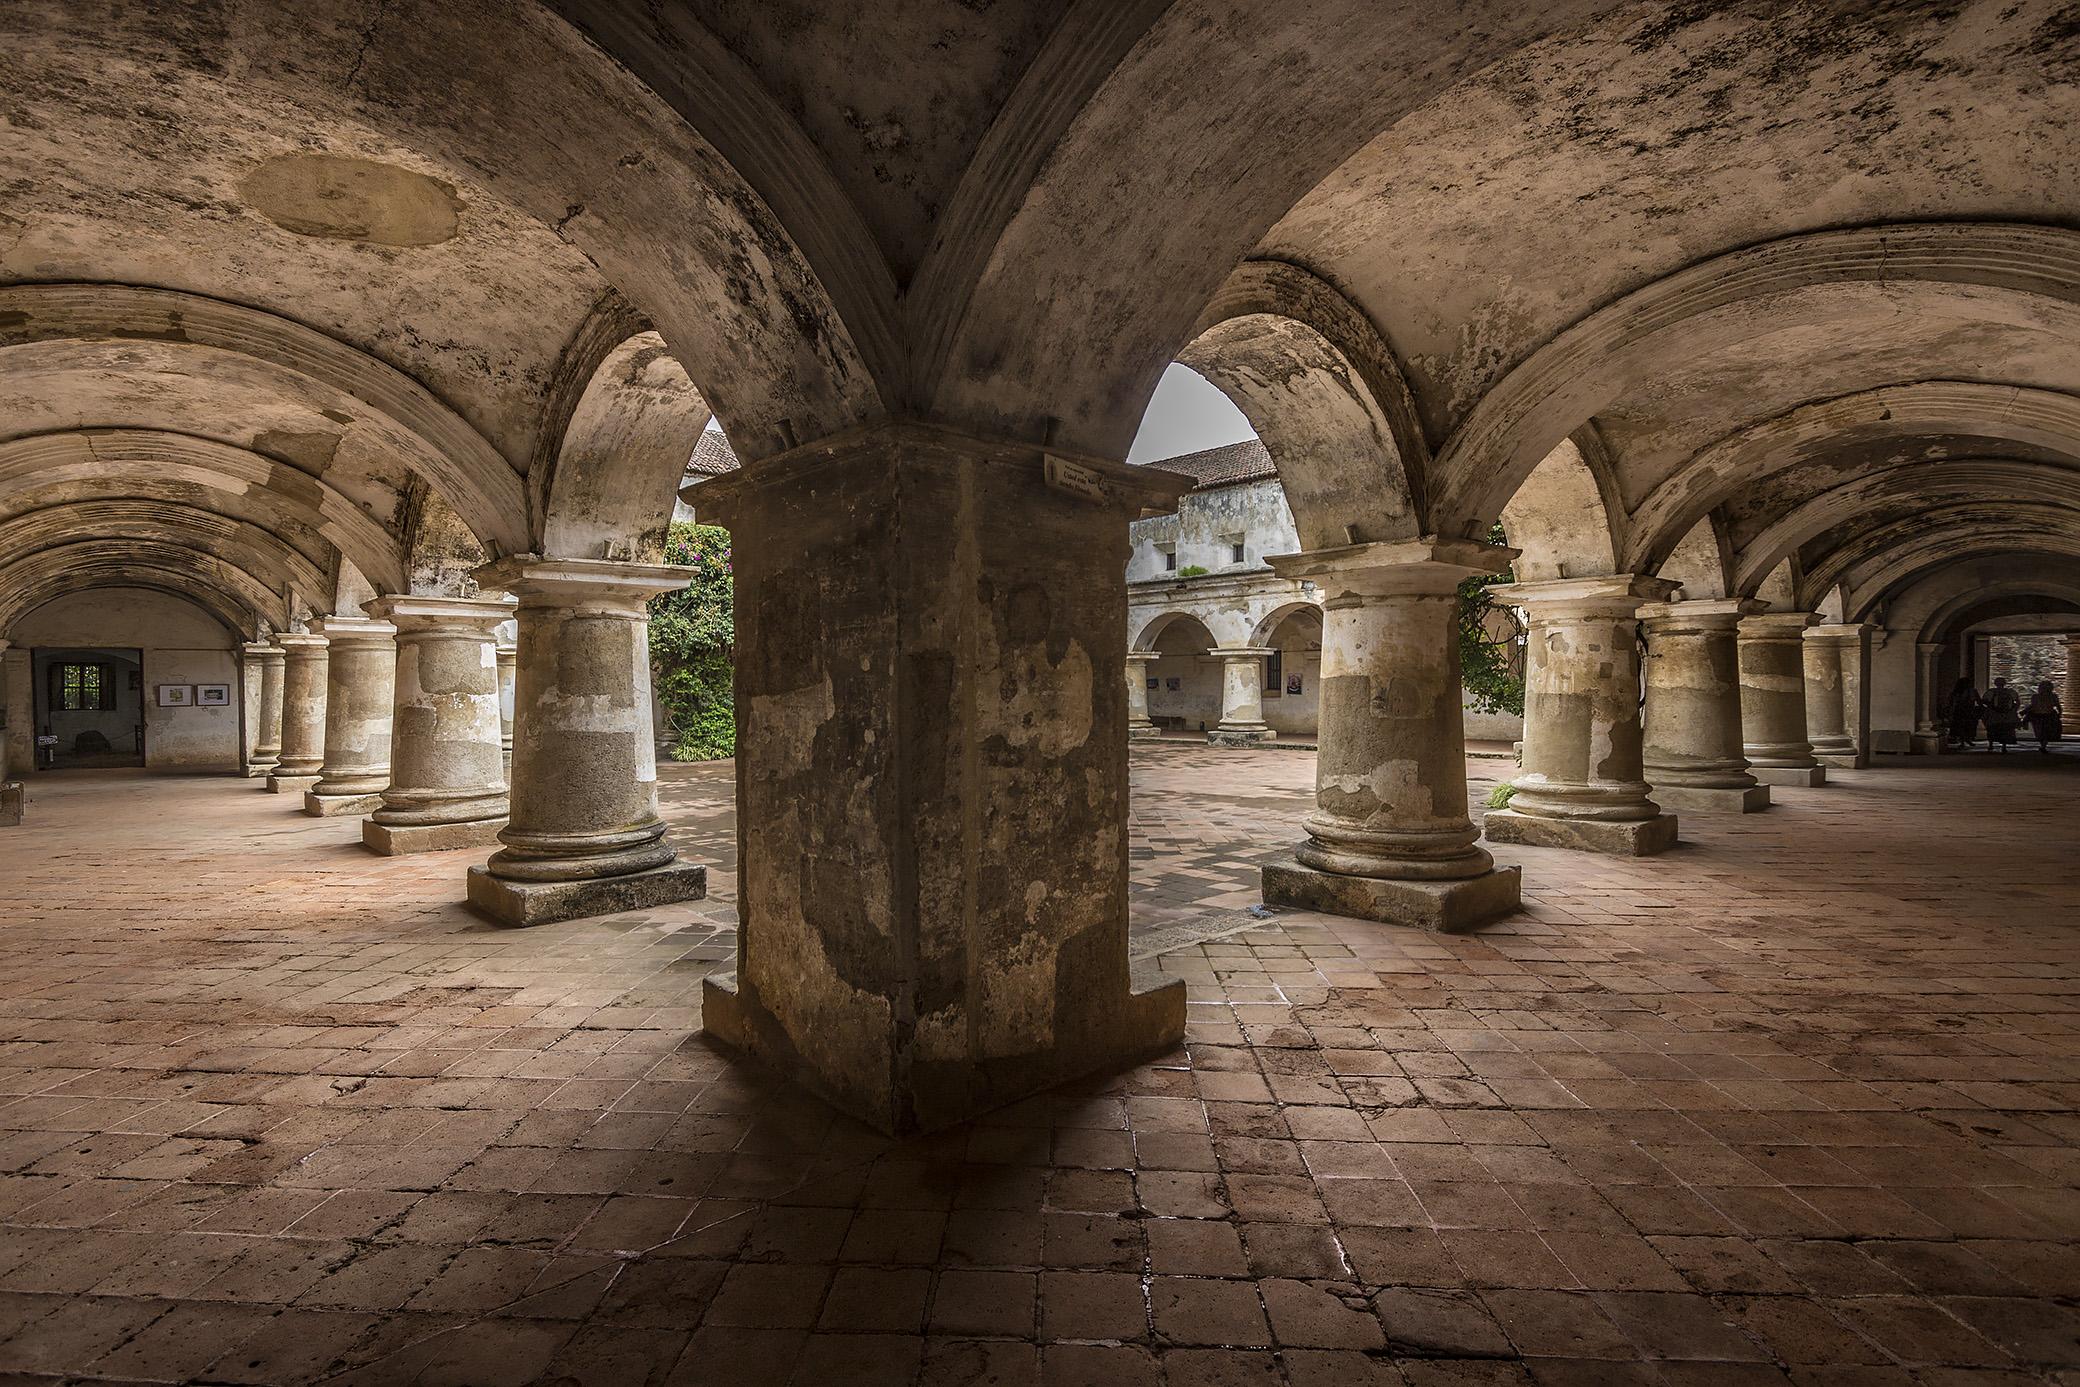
(1765, 626)
(1837, 630)
(408, 613)
(1603, 595)
(345, 630)
(252, 650)
(1928, 647)
(1242, 652)
(1143, 656)
(305, 641)
(600, 585)
(1722, 613)
(1427, 566)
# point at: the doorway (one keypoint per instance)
(89, 708)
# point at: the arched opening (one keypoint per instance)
(1185, 695)
(1293, 671)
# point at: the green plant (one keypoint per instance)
(1192, 570)
(692, 639)
(1499, 797)
(1491, 681)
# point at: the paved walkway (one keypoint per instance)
(1795, 1102)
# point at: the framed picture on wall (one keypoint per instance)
(212, 695)
(1292, 683)
(1173, 683)
(176, 695)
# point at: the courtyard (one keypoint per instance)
(1794, 1102)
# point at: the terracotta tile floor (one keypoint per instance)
(1793, 1103)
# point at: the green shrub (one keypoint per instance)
(692, 640)
(1492, 685)
(1192, 570)
(1499, 797)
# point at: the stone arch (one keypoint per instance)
(441, 556)
(2008, 524)
(1324, 393)
(627, 418)
(1560, 519)
(1960, 611)
(1153, 629)
(1978, 479)
(1779, 587)
(1989, 273)
(122, 326)
(1268, 625)
(1895, 568)
(252, 548)
(1702, 563)
(239, 625)
(133, 562)
(1916, 415)
(150, 462)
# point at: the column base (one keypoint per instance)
(1144, 733)
(14, 800)
(1929, 744)
(395, 840)
(1238, 736)
(335, 806)
(1706, 800)
(1789, 775)
(522, 903)
(255, 772)
(1841, 760)
(1109, 1032)
(1447, 907)
(290, 784)
(1619, 837)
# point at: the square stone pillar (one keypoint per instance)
(303, 713)
(262, 670)
(360, 682)
(1693, 755)
(447, 774)
(932, 772)
(1242, 697)
(1584, 781)
(1390, 838)
(1837, 672)
(585, 836)
(1139, 727)
(1930, 736)
(1773, 699)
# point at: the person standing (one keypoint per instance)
(2045, 716)
(1965, 707)
(2003, 716)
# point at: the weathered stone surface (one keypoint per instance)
(1712, 800)
(1450, 907)
(323, 806)
(932, 772)
(1621, 837)
(447, 767)
(303, 709)
(297, 785)
(360, 684)
(520, 903)
(1773, 696)
(263, 663)
(14, 801)
(1806, 776)
(395, 840)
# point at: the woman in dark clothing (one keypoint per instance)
(1964, 713)
(2045, 716)
(2003, 715)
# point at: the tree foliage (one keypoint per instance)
(1492, 681)
(692, 636)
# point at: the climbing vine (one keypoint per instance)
(692, 633)
(1488, 635)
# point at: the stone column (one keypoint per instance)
(2069, 703)
(1242, 697)
(1825, 726)
(585, 836)
(447, 778)
(360, 686)
(304, 663)
(1929, 738)
(1139, 662)
(12, 798)
(1389, 837)
(508, 659)
(932, 771)
(1692, 752)
(263, 663)
(1584, 782)
(1773, 699)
